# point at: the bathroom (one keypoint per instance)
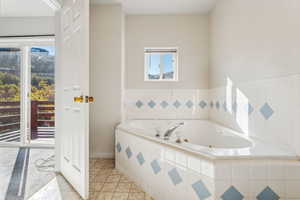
(235, 67)
(160, 99)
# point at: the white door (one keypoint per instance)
(73, 77)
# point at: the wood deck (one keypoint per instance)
(41, 133)
(42, 114)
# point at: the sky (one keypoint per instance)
(155, 61)
(50, 49)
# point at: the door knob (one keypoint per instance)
(89, 99)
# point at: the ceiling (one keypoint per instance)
(34, 8)
(25, 8)
(156, 7)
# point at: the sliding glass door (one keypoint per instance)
(42, 94)
(27, 88)
(10, 94)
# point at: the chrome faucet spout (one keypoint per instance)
(171, 130)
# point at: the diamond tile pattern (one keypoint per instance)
(234, 107)
(164, 104)
(128, 152)
(151, 104)
(250, 109)
(140, 158)
(175, 176)
(201, 191)
(232, 194)
(139, 104)
(218, 105)
(268, 194)
(202, 104)
(266, 111)
(176, 104)
(189, 104)
(211, 104)
(225, 106)
(155, 166)
(119, 148)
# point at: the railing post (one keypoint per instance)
(34, 118)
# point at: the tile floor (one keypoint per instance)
(106, 183)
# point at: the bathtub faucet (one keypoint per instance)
(171, 130)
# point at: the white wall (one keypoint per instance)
(105, 76)
(253, 40)
(26, 26)
(188, 33)
(255, 45)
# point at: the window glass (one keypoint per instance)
(168, 69)
(154, 66)
(10, 109)
(160, 64)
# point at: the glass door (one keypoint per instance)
(42, 84)
(10, 95)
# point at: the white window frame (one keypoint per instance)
(161, 50)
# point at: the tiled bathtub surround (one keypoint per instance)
(266, 109)
(168, 173)
(166, 104)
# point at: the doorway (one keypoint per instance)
(27, 91)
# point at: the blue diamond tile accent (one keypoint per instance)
(218, 105)
(155, 166)
(151, 104)
(266, 111)
(268, 194)
(164, 104)
(250, 109)
(175, 176)
(140, 158)
(128, 152)
(176, 104)
(234, 107)
(232, 194)
(211, 104)
(202, 104)
(189, 104)
(225, 106)
(139, 104)
(119, 148)
(201, 190)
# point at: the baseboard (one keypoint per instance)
(102, 155)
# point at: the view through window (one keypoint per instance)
(39, 105)
(10, 65)
(42, 94)
(160, 64)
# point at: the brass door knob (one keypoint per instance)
(89, 99)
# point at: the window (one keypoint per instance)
(27, 91)
(161, 64)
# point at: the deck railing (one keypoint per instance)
(42, 115)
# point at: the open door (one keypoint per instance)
(72, 94)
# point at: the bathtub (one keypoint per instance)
(203, 160)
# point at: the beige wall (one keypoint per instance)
(188, 33)
(105, 71)
(253, 40)
(26, 25)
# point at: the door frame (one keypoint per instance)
(25, 44)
